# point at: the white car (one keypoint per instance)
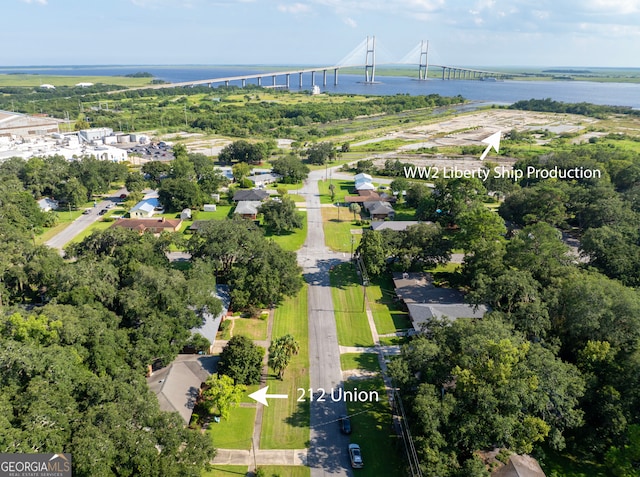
(356, 456)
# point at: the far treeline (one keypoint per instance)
(206, 109)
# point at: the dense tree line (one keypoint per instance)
(555, 361)
(169, 109)
(586, 109)
(76, 338)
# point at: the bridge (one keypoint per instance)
(448, 72)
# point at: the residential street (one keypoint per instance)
(328, 447)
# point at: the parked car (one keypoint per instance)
(355, 456)
(86, 211)
(103, 211)
(123, 196)
(345, 424)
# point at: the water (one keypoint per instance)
(620, 94)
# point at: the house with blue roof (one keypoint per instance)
(145, 208)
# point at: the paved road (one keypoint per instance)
(328, 447)
(81, 223)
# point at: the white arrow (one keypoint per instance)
(261, 396)
(493, 141)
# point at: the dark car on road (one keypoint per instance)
(355, 456)
(103, 211)
(345, 424)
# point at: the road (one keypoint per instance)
(328, 447)
(81, 223)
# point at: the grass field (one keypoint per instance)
(253, 328)
(351, 319)
(285, 471)
(27, 80)
(342, 189)
(373, 431)
(388, 318)
(235, 432)
(338, 224)
(226, 471)
(365, 361)
(285, 424)
(291, 241)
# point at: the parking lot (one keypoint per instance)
(152, 152)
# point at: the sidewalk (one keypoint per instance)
(262, 457)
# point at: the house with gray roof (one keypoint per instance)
(211, 323)
(262, 180)
(248, 209)
(177, 386)
(519, 466)
(397, 225)
(379, 209)
(425, 301)
(253, 195)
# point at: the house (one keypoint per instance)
(47, 204)
(210, 324)
(379, 210)
(196, 225)
(362, 176)
(155, 226)
(519, 466)
(248, 209)
(364, 186)
(399, 225)
(426, 301)
(262, 180)
(145, 208)
(177, 386)
(185, 214)
(253, 195)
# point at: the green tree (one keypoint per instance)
(479, 223)
(242, 151)
(281, 216)
(156, 170)
(240, 171)
(280, 353)
(321, 152)
(291, 168)
(355, 208)
(74, 192)
(179, 194)
(135, 182)
(373, 252)
(241, 360)
(221, 393)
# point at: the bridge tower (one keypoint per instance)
(370, 61)
(423, 68)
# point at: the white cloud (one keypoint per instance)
(350, 22)
(294, 8)
(39, 2)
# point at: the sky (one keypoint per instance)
(320, 32)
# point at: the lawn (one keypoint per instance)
(235, 432)
(337, 224)
(253, 328)
(557, 465)
(291, 241)
(387, 316)
(226, 471)
(365, 361)
(286, 470)
(65, 218)
(342, 189)
(373, 431)
(351, 319)
(285, 424)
